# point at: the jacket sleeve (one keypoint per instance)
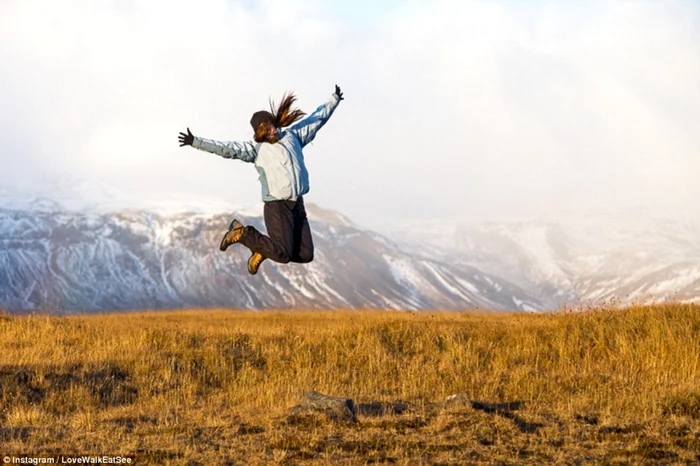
(245, 151)
(306, 129)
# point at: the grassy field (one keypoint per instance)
(215, 387)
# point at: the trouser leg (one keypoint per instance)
(278, 244)
(303, 242)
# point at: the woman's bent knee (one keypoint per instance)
(305, 258)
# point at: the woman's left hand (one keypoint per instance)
(338, 92)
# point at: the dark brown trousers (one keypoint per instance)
(288, 236)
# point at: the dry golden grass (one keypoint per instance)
(214, 387)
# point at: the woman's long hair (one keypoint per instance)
(282, 116)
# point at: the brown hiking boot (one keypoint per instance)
(233, 235)
(254, 263)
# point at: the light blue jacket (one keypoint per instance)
(283, 174)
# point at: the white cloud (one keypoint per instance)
(452, 108)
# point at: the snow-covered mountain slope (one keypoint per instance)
(70, 262)
(590, 260)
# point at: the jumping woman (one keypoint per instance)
(278, 157)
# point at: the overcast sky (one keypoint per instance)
(454, 109)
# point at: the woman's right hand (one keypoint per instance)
(186, 139)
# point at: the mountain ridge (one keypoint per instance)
(60, 260)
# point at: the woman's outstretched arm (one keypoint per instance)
(307, 128)
(246, 151)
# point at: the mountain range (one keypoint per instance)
(61, 261)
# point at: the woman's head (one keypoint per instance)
(265, 124)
